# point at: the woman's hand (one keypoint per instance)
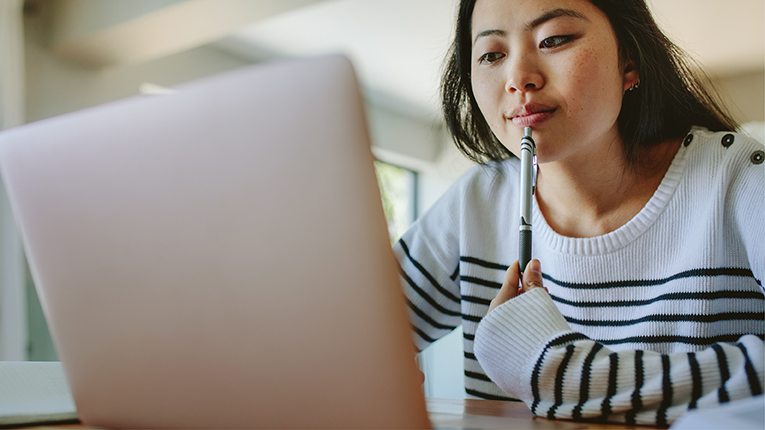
(532, 278)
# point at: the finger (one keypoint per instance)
(509, 287)
(532, 277)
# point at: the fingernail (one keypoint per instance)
(535, 266)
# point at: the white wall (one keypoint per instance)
(743, 94)
(55, 85)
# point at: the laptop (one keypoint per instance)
(219, 257)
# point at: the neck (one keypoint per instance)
(603, 196)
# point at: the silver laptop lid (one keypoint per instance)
(218, 258)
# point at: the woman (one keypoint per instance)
(645, 296)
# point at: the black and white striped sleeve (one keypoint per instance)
(564, 375)
(432, 296)
(428, 257)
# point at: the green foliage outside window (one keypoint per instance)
(395, 184)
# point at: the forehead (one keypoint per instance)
(525, 15)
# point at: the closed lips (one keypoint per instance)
(528, 110)
(531, 116)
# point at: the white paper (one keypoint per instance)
(34, 392)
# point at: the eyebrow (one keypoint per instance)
(547, 16)
(555, 13)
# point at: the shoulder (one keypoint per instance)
(473, 202)
(474, 189)
(728, 170)
(724, 148)
(486, 179)
(730, 160)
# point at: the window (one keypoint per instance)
(399, 196)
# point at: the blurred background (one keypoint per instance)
(58, 56)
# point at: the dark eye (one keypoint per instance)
(554, 41)
(490, 57)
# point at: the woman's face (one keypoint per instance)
(552, 65)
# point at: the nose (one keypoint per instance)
(523, 75)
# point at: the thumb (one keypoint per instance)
(532, 276)
(509, 287)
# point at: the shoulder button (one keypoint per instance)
(757, 157)
(727, 140)
(688, 140)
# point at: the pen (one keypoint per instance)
(528, 183)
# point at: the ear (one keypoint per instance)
(631, 76)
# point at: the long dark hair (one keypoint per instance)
(672, 96)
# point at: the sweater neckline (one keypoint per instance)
(625, 234)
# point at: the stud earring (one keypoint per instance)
(634, 85)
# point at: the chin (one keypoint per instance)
(546, 156)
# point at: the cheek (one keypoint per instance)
(482, 94)
(485, 96)
(597, 86)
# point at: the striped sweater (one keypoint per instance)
(663, 314)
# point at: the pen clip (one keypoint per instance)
(534, 170)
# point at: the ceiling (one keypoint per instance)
(398, 46)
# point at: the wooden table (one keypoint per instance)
(466, 413)
(494, 414)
